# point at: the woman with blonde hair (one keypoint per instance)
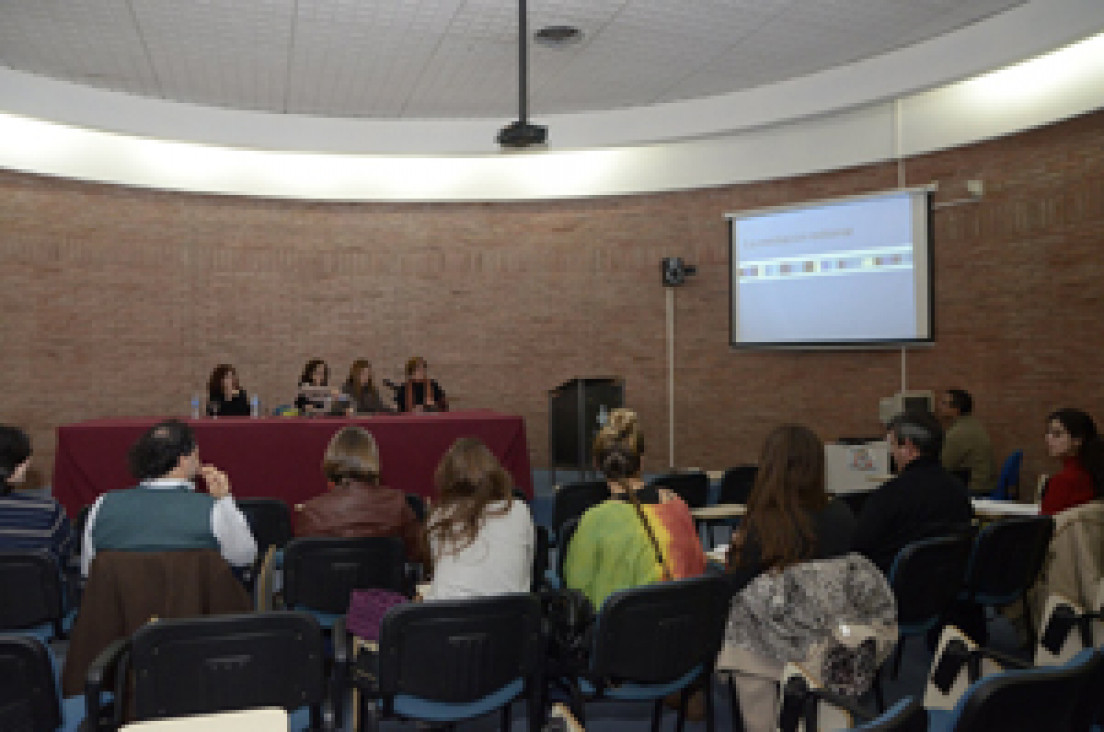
(356, 505)
(481, 538)
(641, 534)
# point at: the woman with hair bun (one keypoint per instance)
(641, 534)
(1072, 437)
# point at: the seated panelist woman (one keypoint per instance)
(419, 393)
(315, 396)
(364, 397)
(225, 397)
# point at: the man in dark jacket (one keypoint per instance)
(923, 501)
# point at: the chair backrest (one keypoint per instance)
(907, 715)
(1009, 476)
(456, 651)
(567, 531)
(28, 690)
(736, 484)
(660, 632)
(320, 572)
(30, 583)
(926, 577)
(417, 505)
(269, 520)
(573, 499)
(226, 662)
(1027, 699)
(540, 557)
(691, 486)
(1007, 557)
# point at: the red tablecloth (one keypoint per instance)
(281, 457)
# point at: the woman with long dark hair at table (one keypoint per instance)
(419, 393)
(364, 397)
(314, 395)
(225, 396)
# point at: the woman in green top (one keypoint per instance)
(641, 534)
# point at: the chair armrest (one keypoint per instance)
(106, 673)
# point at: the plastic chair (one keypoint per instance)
(692, 486)
(572, 500)
(34, 595)
(736, 485)
(417, 505)
(269, 520)
(540, 559)
(1039, 698)
(1009, 477)
(29, 689)
(1006, 558)
(172, 668)
(655, 640)
(567, 531)
(321, 572)
(926, 577)
(451, 660)
(805, 702)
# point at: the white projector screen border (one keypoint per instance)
(803, 295)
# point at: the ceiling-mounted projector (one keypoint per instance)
(520, 133)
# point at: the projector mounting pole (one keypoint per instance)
(523, 61)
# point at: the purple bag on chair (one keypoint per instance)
(366, 610)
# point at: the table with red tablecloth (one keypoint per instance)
(281, 457)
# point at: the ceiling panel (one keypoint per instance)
(454, 58)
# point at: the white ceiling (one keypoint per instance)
(403, 59)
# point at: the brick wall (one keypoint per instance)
(118, 301)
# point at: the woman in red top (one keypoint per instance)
(1071, 435)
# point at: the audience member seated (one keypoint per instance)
(356, 505)
(165, 512)
(790, 517)
(314, 395)
(1071, 436)
(419, 393)
(790, 520)
(364, 397)
(27, 522)
(641, 534)
(481, 536)
(225, 397)
(966, 445)
(924, 500)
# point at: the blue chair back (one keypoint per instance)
(1009, 476)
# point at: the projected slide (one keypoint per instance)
(841, 271)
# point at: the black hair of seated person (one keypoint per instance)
(158, 451)
(15, 448)
(961, 401)
(1081, 426)
(922, 429)
(215, 391)
(308, 372)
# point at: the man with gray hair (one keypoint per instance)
(924, 500)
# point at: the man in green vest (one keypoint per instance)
(164, 512)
